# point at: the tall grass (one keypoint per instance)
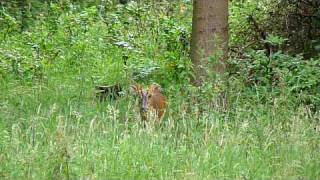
(47, 133)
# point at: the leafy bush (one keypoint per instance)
(281, 72)
(298, 21)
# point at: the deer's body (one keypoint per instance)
(150, 99)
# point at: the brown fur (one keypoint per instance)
(153, 98)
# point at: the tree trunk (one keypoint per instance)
(209, 35)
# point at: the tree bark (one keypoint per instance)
(209, 35)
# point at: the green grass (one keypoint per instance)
(51, 132)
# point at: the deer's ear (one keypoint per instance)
(135, 89)
(155, 88)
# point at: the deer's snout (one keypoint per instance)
(144, 104)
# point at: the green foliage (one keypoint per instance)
(281, 72)
(296, 21)
(275, 40)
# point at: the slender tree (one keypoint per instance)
(209, 33)
(23, 5)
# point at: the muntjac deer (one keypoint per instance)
(150, 99)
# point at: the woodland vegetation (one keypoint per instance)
(259, 118)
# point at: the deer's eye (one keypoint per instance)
(140, 97)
